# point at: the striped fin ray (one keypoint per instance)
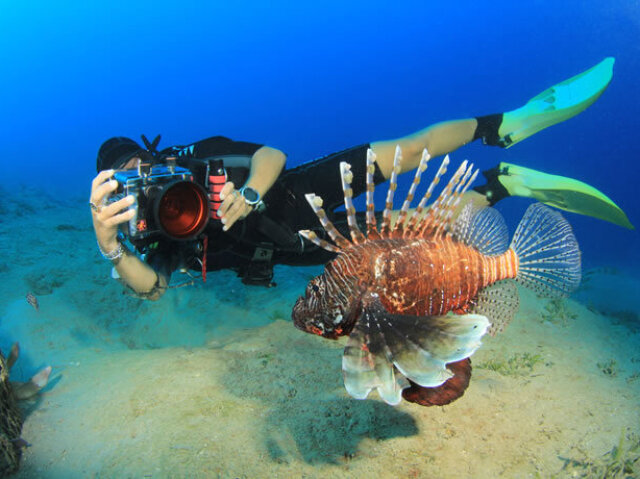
(484, 229)
(393, 185)
(438, 209)
(324, 244)
(548, 253)
(461, 189)
(499, 303)
(453, 197)
(402, 216)
(385, 348)
(434, 220)
(425, 198)
(372, 232)
(347, 177)
(367, 365)
(316, 204)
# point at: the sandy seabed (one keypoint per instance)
(214, 380)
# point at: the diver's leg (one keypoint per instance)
(561, 192)
(438, 139)
(554, 105)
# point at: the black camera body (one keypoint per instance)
(168, 202)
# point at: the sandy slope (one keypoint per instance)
(207, 383)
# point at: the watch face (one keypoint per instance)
(250, 195)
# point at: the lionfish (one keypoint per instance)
(416, 295)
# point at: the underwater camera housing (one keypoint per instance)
(168, 201)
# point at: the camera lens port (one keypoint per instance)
(182, 209)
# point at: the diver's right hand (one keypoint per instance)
(107, 217)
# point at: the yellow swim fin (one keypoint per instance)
(556, 104)
(557, 191)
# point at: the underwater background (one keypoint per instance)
(314, 78)
(308, 78)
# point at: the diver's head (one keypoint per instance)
(116, 152)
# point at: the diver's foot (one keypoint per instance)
(555, 104)
(561, 192)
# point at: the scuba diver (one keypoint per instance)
(261, 205)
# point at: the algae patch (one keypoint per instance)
(517, 365)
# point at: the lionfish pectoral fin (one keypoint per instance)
(367, 363)
(385, 349)
(499, 303)
(423, 345)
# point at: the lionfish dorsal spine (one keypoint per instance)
(402, 216)
(347, 177)
(454, 199)
(316, 204)
(322, 243)
(418, 213)
(372, 232)
(438, 210)
(438, 219)
(385, 228)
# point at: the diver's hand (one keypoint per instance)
(233, 207)
(107, 217)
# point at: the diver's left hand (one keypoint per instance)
(233, 207)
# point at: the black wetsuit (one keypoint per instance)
(253, 245)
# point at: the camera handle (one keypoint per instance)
(216, 179)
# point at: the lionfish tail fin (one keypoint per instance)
(548, 252)
(386, 350)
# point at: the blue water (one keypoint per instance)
(313, 78)
(309, 78)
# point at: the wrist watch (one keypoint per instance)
(251, 197)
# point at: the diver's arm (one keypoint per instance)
(266, 165)
(146, 282)
(137, 275)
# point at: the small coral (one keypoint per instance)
(10, 425)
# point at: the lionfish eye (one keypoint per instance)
(315, 288)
